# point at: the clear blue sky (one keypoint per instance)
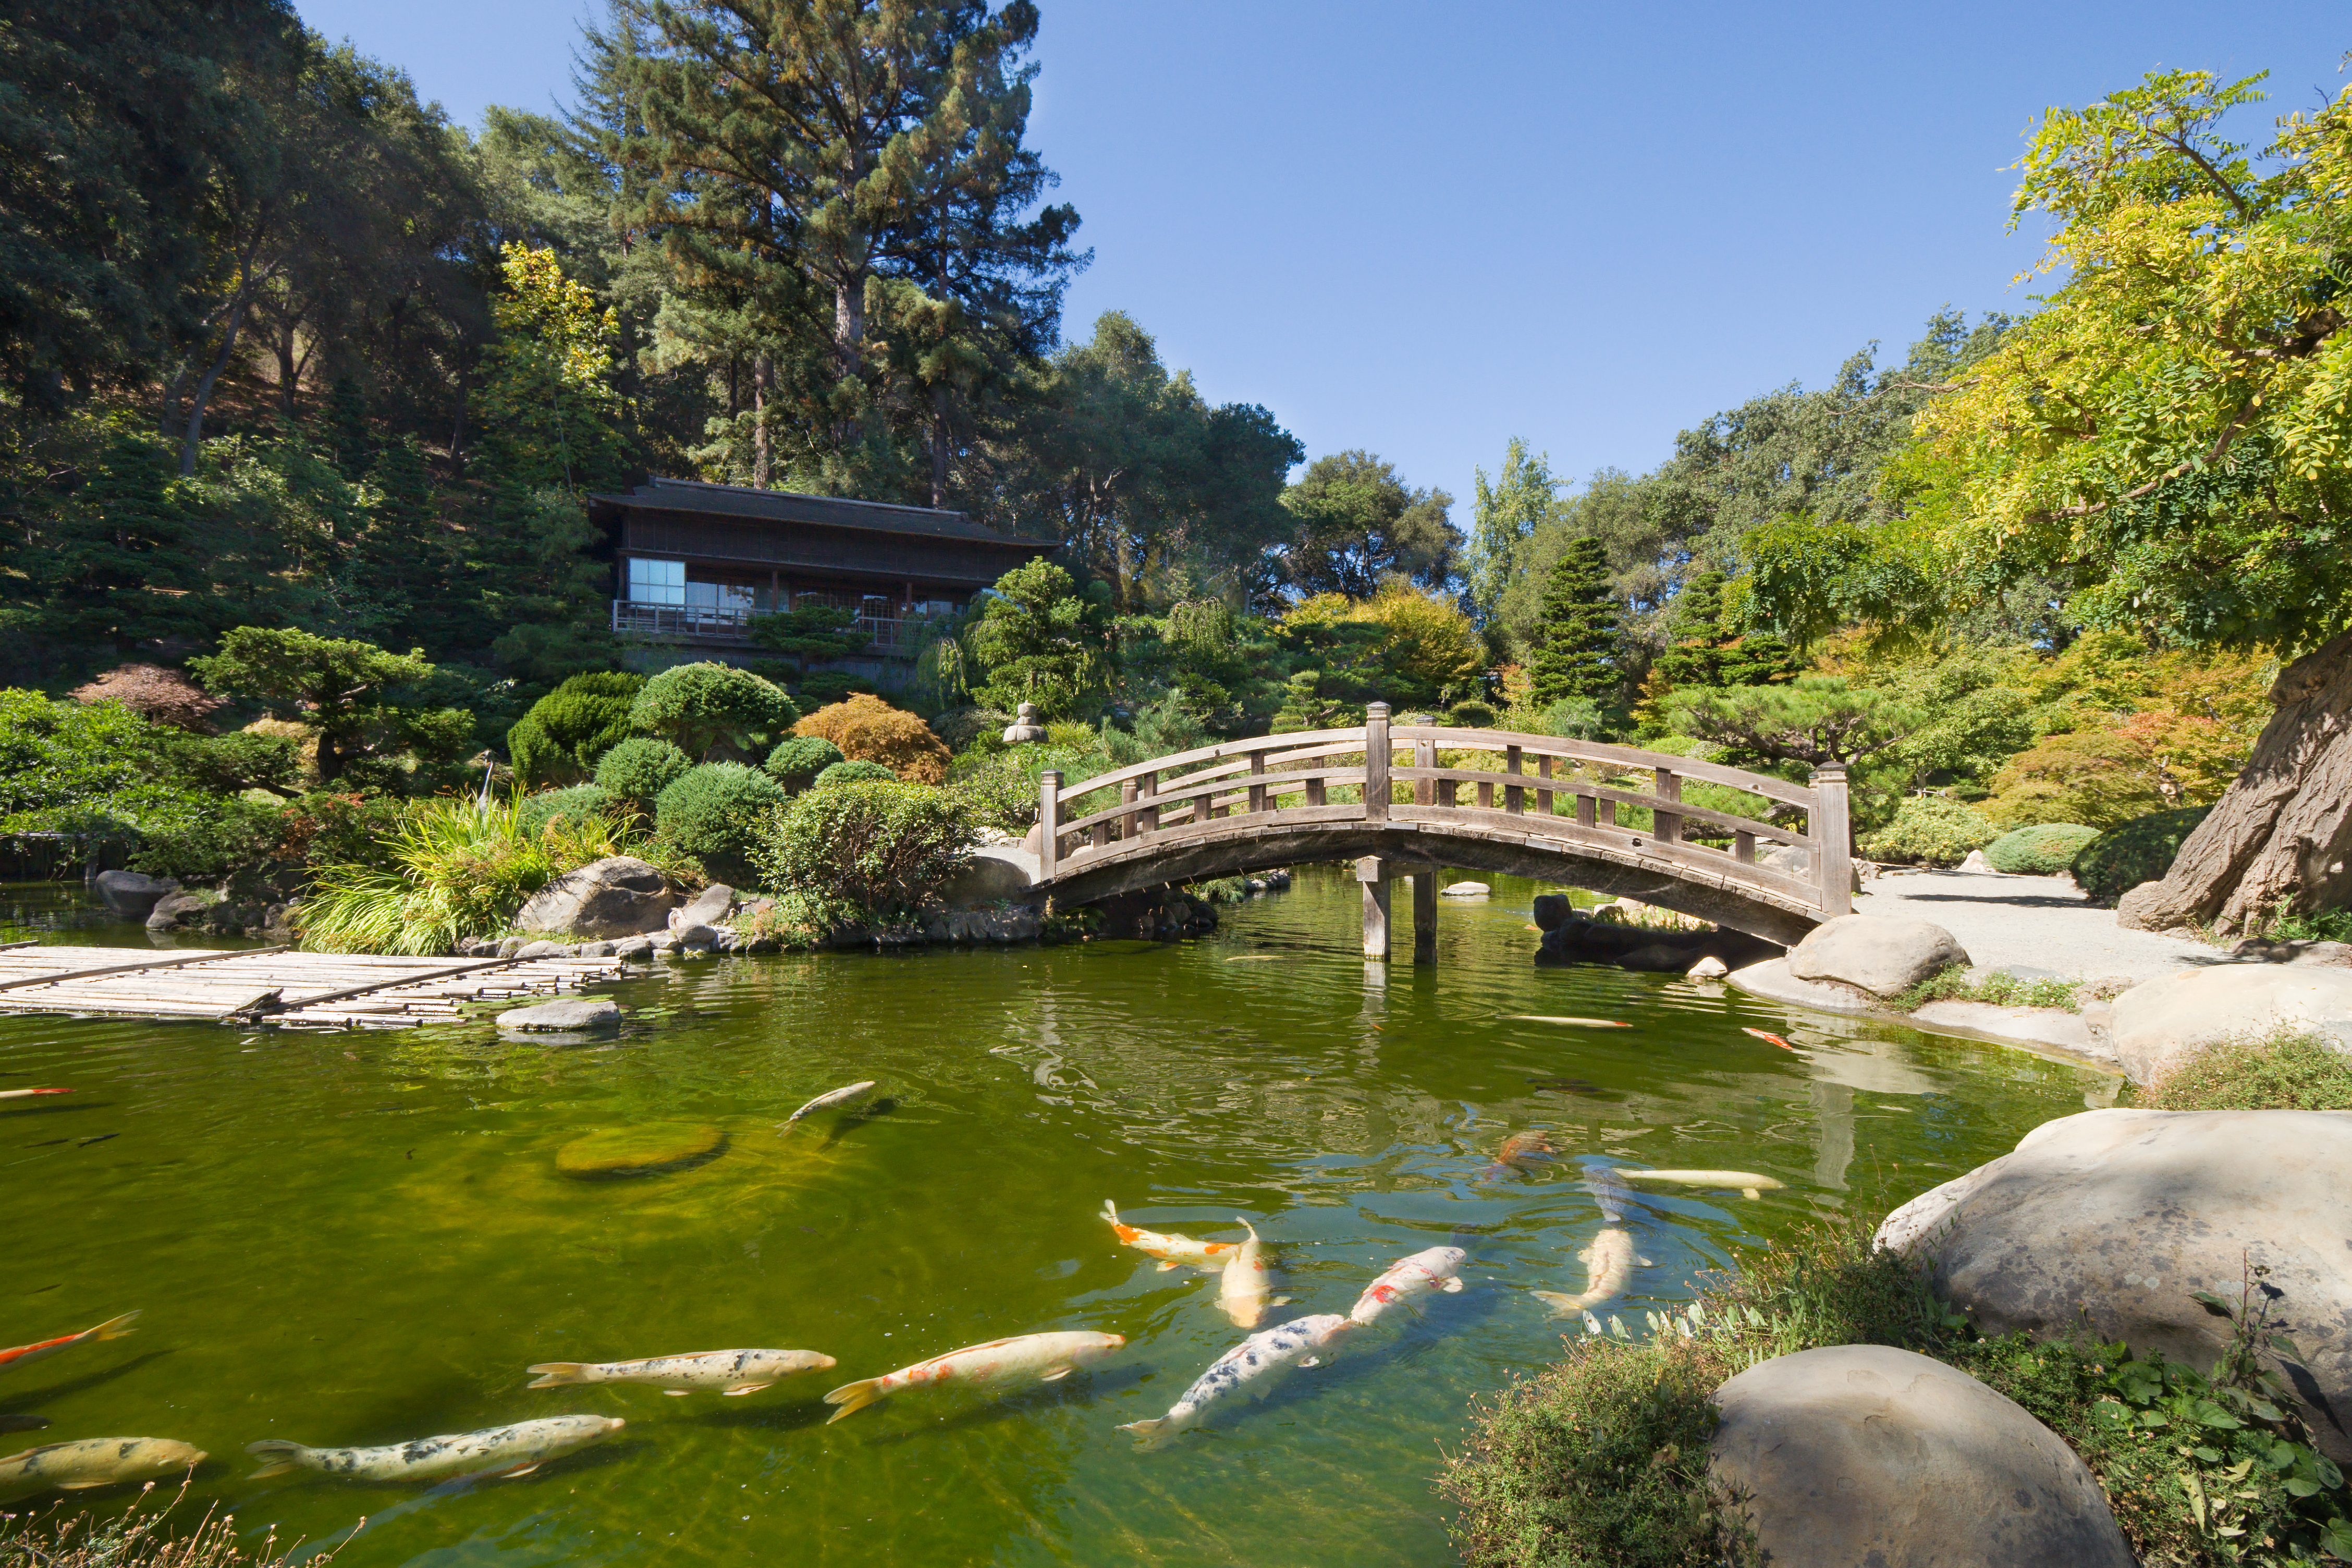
(1424, 229)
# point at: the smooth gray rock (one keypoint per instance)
(633, 948)
(995, 874)
(2157, 1023)
(1975, 861)
(564, 1016)
(543, 950)
(174, 910)
(2120, 1215)
(512, 946)
(1464, 890)
(707, 907)
(692, 937)
(1870, 1456)
(1709, 968)
(1874, 952)
(616, 897)
(1792, 861)
(480, 947)
(133, 895)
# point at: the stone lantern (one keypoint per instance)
(1025, 727)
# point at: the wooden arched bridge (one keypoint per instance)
(1378, 794)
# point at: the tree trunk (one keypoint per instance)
(2282, 837)
(762, 453)
(939, 444)
(193, 440)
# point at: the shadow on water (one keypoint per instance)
(51, 1393)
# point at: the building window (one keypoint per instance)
(657, 582)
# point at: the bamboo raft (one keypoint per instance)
(276, 986)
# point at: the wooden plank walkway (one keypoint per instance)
(276, 986)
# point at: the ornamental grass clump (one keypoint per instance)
(863, 852)
(137, 1539)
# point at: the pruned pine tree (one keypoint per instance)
(1582, 641)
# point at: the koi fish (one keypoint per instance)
(112, 1329)
(1572, 1022)
(730, 1371)
(1431, 1269)
(1171, 1249)
(515, 1450)
(94, 1462)
(21, 1093)
(850, 1095)
(1773, 1039)
(1241, 1289)
(1609, 1262)
(1525, 1151)
(1047, 1357)
(1258, 1359)
(1749, 1184)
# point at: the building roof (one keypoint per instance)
(741, 502)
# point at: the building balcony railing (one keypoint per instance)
(892, 637)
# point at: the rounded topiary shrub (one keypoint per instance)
(699, 707)
(2044, 849)
(868, 729)
(1471, 715)
(2140, 851)
(717, 808)
(1928, 830)
(639, 771)
(854, 773)
(795, 763)
(574, 805)
(566, 731)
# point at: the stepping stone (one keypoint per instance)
(640, 1151)
(567, 1015)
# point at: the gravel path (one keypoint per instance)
(2039, 924)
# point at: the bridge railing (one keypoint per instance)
(1563, 789)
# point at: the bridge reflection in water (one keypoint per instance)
(1377, 795)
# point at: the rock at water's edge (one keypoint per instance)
(1464, 890)
(2157, 1023)
(640, 1151)
(616, 897)
(1551, 911)
(709, 907)
(1862, 1456)
(1877, 953)
(1709, 968)
(565, 1015)
(131, 895)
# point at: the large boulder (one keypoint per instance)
(1877, 953)
(1872, 1457)
(2155, 1023)
(995, 874)
(174, 910)
(618, 896)
(1792, 861)
(2118, 1215)
(707, 907)
(131, 895)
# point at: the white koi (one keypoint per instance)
(1609, 1262)
(515, 1450)
(94, 1462)
(1170, 1248)
(1431, 1269)
(1258, 1360)
(850, 1095)
(1242, 1289)
(1751, 1184)
(730, 1371)
(1045, 1357)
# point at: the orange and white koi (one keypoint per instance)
(1046, 1357)
(1771, 1039)
(1242, 1289)
(112, 1329)
(1168, 1249)
(1431, 1269)
(1525, 1151)
(1259, 1359)
(21, 1093)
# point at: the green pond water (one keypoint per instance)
(360, 1238)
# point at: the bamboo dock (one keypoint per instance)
(276, 985)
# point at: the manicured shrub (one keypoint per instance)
(1573, 719)
(865, 850)
(639, 771)
(158, 695)
(960, 727)
(795, 763)
(854, 773)
(2141, 850)
(567, 732)
(1471, 715)
(575, 806)
(1001, 788)
(701, 708)
(821, 686)
(716, 808)
(1928, 830)
(2044, 849)
(868, 729)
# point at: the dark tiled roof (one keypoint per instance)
(825, 512)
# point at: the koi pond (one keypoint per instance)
(357, 1239)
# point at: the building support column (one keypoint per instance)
(1373, 873)
(1424, 915)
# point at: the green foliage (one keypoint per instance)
(639, 771)
(715, 809)
(1707, 647)
(796, 762)
(447, 872)
(2285, 1070)
(840, 774)
(2140, 851)
(548, 409)
(962, 728)
(574, 805)
(824, 688)
(2045, 849)
(1471, 715)
(704, 709)
(810, 632)
(1574, 718)
(1815, 719)
(865, 851)
(1360, 525)
(1581, 652)
(567, 731)
(1039, 640)
(1001, 788)
(1928, 830)
(1505, 514)
(100, 771)
(1953, 984)
(2320, 925)
(352, 694)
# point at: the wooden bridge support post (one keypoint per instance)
(1377, 758)
(1049, 822)
(1373, 873)
(1424, 915)
(1833, 830)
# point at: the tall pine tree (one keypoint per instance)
(1582, 642)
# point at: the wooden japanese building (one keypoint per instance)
(694, 563)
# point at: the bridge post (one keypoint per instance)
(1376, 798)
(1373, 873)
(1049, 819)
(1832, 829)
(1424, 915)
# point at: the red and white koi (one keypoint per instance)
(1770, 1040)
(1046, 1357)
(23, 1093)
(1258, 1360)
(1431, 1269)
(112, 1329)
(1242, 1289)
(730, 1371)
(1171, 1249)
